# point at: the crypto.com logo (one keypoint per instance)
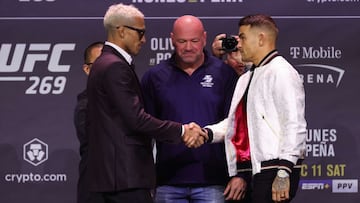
(35, 152)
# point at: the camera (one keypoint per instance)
(229, 44)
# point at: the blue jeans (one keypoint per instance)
(171, 194)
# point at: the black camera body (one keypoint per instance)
(229, 44)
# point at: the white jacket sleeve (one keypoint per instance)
(219, 130)
(290, 98)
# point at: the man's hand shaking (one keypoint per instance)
(194, 136)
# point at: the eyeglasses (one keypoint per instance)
(141, 32)
(89, 64)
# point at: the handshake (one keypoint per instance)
(194, 135)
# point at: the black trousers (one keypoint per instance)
(262, 185)
(127, 196)
(83, 193)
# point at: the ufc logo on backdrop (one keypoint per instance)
(37, 52)
(19, 60)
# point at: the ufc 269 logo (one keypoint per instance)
(26, 58)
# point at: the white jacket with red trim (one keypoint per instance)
(275, 115)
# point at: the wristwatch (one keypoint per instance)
(282, 173)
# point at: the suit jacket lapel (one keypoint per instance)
(137, 87)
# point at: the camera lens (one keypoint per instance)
(229, 44)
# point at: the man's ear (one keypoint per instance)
(86, 69)
(261, 39)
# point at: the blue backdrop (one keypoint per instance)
(41, 54)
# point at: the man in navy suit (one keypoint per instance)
(121, 165)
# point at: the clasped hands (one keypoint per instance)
(194, 135)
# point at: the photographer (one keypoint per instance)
(226, 45)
